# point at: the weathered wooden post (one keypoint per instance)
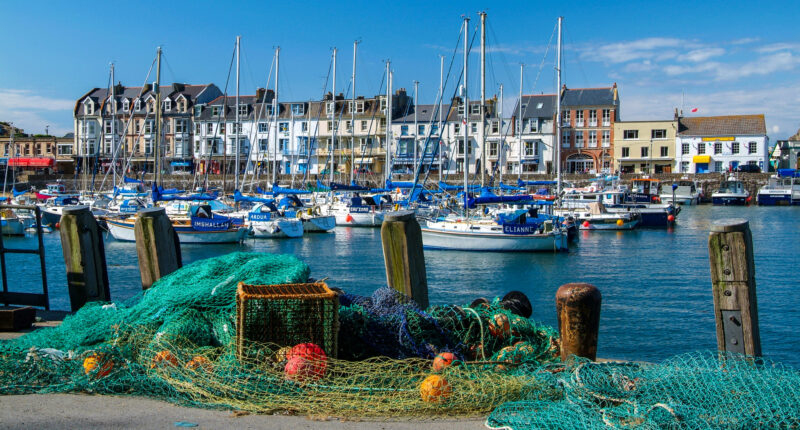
(402, 252)
(733, 283)
(157, 245)
(84, 257)
(578, 309)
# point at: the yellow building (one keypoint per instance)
(644, 146)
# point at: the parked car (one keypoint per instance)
(748, 168)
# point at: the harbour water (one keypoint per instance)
(655, 283)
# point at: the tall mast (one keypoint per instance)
(276, 110)
(353, 119)
(466, 115)
(158, 120)
(558, 112)
(333, 116)
(441, 99)
(236, 124)
(416, 127)
(388, 114)
(483, 97)
(502, 145)
(10, 150)
(519, 120)
(113, 126)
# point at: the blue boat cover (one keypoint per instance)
(789, 173)
(278, 190)
(238, 197)
(18, 193)
(128, 180)
(522, 183)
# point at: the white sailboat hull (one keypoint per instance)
(319, 224)
(277, 228)
(124, 231)
(462, 241)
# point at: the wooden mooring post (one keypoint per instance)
(733, 283)
(401, 237)
(84, 257)
(578, 311)
(157, 245)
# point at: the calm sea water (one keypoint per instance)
(655, 284)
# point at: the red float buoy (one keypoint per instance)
(586, 224)
(671, 218)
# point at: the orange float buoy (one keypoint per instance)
(164, 358)
(671, 218)
(435, 389)
(93, 362)
(305, 361)
(586, 224)
(199, 362)
(443, 360)
(58, 225)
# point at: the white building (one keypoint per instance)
(721, 143)
(532, 147)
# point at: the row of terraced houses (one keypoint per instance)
(199, 133)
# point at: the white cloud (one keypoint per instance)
(764, 65)
(703, 54)
(782, 46)
(745, 41)
(635, 50)
(776, 128)
(30, 111)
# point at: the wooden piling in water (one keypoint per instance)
(578, 311)
(733, 283)
(401, 237)
(157, 245)
(84, 257)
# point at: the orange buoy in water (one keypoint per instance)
(671, 218)
(434, 389)
(443, 360)
(620, 222)
(58, 225)
(586, 224)
(349, 218)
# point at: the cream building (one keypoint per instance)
(645, 146)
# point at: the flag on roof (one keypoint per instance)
(694, 110)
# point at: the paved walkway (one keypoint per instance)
(70, 411)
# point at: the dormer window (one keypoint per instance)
(461, 109)
(137, 105)
(298, 109)
(215, 110)
(151, 106)
(181, 105)
(329, 108)
(126, 105)
(167, 105)
(242, 109)
(88, 107)
(475, 109)
(383, 105)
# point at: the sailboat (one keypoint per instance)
(479, 233)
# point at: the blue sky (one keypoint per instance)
(720, 57)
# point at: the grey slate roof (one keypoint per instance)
(425, 113)
(570, 98)
(728, 125)
(193, 93)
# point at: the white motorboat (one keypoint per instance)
(595, 217)
(11, 224)
(731, 193)
(685, 193)
(782, 189)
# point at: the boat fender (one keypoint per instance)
(317, 210)
(298, 214)
(396, 207)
